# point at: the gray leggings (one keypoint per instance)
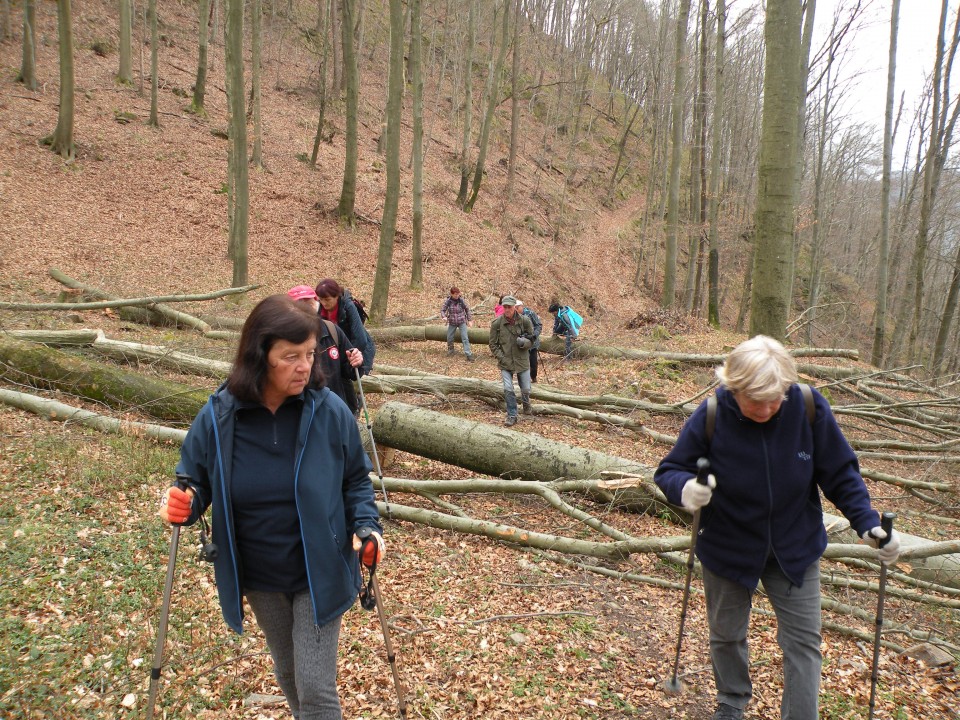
(304, 655)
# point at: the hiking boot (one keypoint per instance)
(510, 421)
(470, 358)
(727, 712)
(450, 350)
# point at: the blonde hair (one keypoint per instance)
(760, 368)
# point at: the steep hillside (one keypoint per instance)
(142, 210)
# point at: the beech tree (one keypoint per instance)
(351, 77)
(416, 153)
(388, 224)
(154, 120)
(200, 83)
(125, 73)
(28, 63)
(676, 147)
(239, 203)
(777, 191)
(61, 142)
(880, 316)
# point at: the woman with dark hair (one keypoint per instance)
(336, 305)
(279, 458)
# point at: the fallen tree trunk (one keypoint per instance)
(175, 317)
(32, 365)
(53, 410)
(506, 453)
(556, 345)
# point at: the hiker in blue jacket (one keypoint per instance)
(281, 462)
(562, 327)
(761, 518)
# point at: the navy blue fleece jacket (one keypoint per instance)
(768, 474)
(332, 487)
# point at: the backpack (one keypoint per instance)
(361, 309)
(572, 318)
(712, 409)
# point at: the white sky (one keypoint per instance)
(867, 63)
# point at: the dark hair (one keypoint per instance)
(454, 289)
(276, 317)
(554, 307)
(329, 287)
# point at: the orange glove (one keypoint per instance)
(370, 552)
(176, 505)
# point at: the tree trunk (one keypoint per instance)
(28, 61)
(125, 72)
(676, 154)
(24, 363)
(322, 29)
(465, 165)
(514, 112)
(416, 79)
(200, 84)
(238, 141)
(346, 211)
(713, 271)
(62, 140)
(154, 120)
(388, 226)
(497, 451)
(256, 40)
(493, 93)
(880, 316)
(776, 198)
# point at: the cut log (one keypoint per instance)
(555, 346)
(29, 364)
(496, 451)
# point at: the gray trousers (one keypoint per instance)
(798, 634)
(304, 655)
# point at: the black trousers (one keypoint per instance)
(533, 364)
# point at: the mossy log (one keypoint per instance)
(28, 364)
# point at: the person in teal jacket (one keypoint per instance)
(279, 458)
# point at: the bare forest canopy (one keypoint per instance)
(609, 155)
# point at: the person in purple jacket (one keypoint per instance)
(761, 519)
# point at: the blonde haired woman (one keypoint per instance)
(761, 518)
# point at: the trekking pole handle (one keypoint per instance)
(182, 481)
(886, 524)
(703, 470)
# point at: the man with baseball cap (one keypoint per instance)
(511, 337)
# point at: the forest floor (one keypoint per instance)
(481, 629)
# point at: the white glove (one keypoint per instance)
(889, 553)
(695, 495)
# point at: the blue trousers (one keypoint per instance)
(464, 336)
(304, 655)
(798, 634)
(523, 378)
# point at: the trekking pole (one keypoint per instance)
(886, 523)
(373, 443)
(370, 598)
(164, 612)
(542, 365)
(673, 685)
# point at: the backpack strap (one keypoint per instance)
(711, 416)
(332, 329)
(807, 400)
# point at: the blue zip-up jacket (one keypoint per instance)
(766, 499)
(333, 492)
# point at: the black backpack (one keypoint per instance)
(361, 309)
(712, 409)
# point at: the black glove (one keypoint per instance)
(524, 343)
